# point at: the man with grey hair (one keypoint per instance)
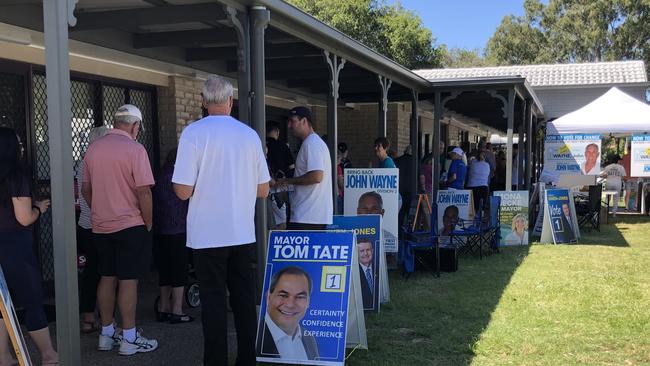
(116, 185)
(221, 169)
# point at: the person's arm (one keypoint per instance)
(263, 190)
(87, 193)
(312, 177)
(183, 192)
(146, 205)
(26, 213)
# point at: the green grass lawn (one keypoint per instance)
(586, 304)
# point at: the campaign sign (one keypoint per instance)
(368, 230)
(640, 159)
(304, 311)
(374, 191)
(11, 323)
(560, 216)
(513, 215)
(572, 154)
(452, 206)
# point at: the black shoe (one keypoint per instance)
(180, 318)
(162, 316)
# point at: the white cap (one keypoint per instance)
(458, 150)
(129, 110)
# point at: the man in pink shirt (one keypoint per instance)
(116, 184)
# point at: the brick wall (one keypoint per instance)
(178, 105)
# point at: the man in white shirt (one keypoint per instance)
(221, 169)
(614, 174)
(287, 301)
(311, 201)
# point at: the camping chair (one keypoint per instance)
(588, 212)
(470, 234)
(416, 242)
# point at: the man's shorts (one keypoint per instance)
(631, 184)
(125, 254)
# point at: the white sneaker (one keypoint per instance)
(141, 344)
(106, 343)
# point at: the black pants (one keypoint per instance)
(478, 194)
(170, 254)
(300, 226)
(217, 268)
(90, 276)
(404, 210)
(23, 276)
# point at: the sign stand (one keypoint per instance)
(356, 336)
(554, 221)
(12, 325)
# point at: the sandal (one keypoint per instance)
(88, 327)
(180, 318)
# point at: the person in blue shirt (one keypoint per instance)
(457, 170)
(381, 150)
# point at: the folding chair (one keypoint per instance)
(469, 235)
(419, 241)
(589, 212)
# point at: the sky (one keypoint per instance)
(463, 23)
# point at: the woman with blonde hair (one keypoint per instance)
(519, 234)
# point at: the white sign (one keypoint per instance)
(640, 159)
(572, 154)
(374, 192)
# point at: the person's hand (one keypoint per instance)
(149, 226)
(42, 205)
(282, 183)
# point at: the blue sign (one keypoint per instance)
(560, 216)
(368, 229)
(304, 310)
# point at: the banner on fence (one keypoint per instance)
(513, 216)
(572, 154)
(311, 296)
(374, 191)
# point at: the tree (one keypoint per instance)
(388, 29)
(574, 31)
(460, 57)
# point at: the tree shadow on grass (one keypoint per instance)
(437, 321)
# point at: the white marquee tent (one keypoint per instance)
(614, 112)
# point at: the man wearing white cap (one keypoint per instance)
(457, 170)
(116, 184)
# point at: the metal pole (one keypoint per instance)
(259, 19)
(57, 14)
(437, 116)
(335, 65)
(529, 144)
(511, 116)
(414, 144)
(521, 129)
(385, 84)
(240, 22)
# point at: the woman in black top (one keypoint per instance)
(17, 214)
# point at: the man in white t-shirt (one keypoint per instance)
(221, 169)
(311, 201)
(614, 174)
